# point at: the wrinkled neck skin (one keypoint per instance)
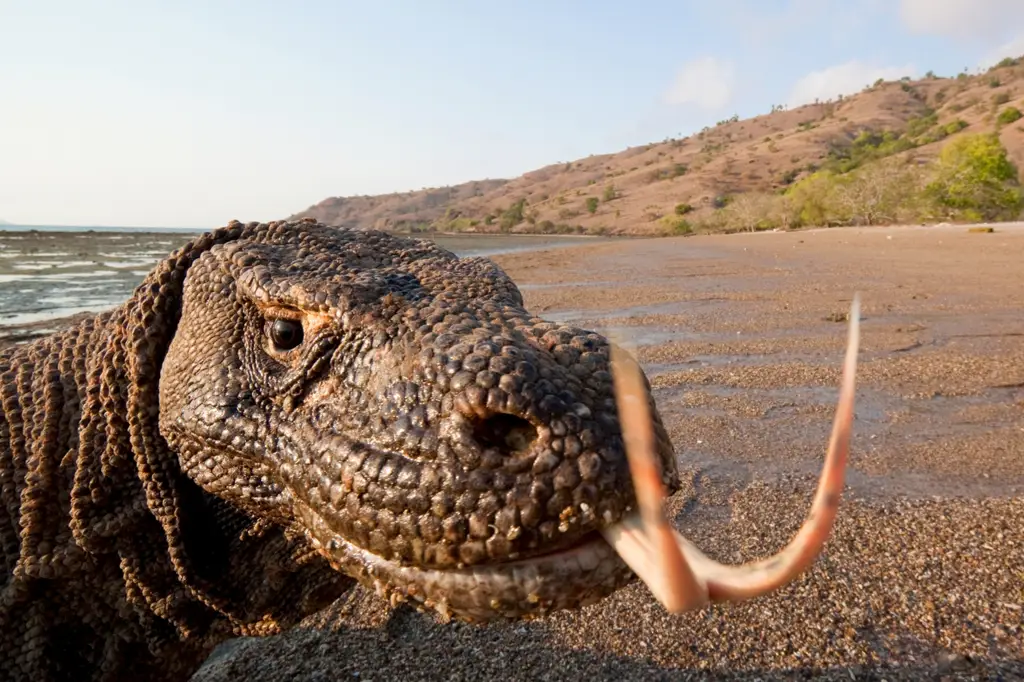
(113, 561)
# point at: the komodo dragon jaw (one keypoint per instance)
(400, 407)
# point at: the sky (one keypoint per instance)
(192, 113)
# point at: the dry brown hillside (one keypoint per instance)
(630, 192)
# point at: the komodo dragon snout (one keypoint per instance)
(400, 406)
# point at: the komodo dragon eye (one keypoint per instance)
(285, 334)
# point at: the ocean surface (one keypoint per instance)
(49, 272)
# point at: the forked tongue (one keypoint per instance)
(678, 574)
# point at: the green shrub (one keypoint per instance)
(683, 209)
(674, 225)
(591, 205)
(845, 155)
(955, 126)
(976, 180)
(813, 199)
(512, 216)
(1008, 115)
(916, 126)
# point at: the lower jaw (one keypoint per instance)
(529, 588)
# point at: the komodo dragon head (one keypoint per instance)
(399, 405)
(400, 408)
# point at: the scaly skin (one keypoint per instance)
(282, 409)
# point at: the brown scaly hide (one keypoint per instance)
(114, 564)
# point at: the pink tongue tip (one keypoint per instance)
(678, 574)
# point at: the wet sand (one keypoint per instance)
(742, 336)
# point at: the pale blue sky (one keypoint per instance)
(191, 113)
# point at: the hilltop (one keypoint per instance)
(814, 164)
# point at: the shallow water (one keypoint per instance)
(50, 272)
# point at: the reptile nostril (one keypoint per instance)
(506, 432)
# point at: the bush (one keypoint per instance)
(845, 155)
(677, 226)
(1008, 116)
(955, 126)
(916, 126)
(683, 209)
(610, 193)
(750, 212)
(591, 205)
(976, 180)
(813, 199)
(512, 216)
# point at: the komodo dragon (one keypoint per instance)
(282, 409)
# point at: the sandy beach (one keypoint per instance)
(742, 337)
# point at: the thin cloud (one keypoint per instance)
(843, 79)
(1012, 48)
(964, 19)
(706, 82)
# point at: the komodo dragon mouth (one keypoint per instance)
(678, 574)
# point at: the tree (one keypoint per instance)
(513, 215)
(749, 211)
(878, 193)
(813, 199)
(976, 180)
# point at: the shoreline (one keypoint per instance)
(1011, 225)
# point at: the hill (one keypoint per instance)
(784, 168)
